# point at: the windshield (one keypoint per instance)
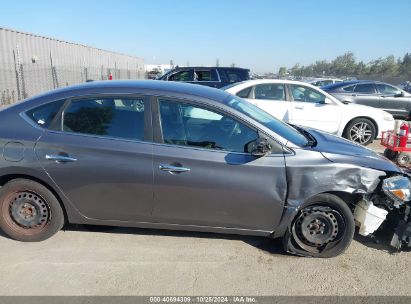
(268, 121)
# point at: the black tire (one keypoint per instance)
(29, 212)
(336, 222)
(360, 130)
(403, 159)
(391, 155)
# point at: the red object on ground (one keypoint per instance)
(404, 131)
(391, 141)
(110, 76)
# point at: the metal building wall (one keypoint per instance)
(31, 64)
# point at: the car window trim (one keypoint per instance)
(158, 136)
(218, 75)
(148, 133)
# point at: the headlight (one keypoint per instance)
(387, 116)
(397, 188)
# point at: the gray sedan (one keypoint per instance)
(374, 94)
(167, 155)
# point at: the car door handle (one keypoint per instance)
(299, 107)
(60, 158)
(173, 169)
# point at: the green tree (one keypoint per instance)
(282, 72)
(344, 65)
(404, 68)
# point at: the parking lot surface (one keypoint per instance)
(126, 261)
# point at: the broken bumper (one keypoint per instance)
(402, 233)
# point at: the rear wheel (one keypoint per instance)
(324, 228)
(29, 211)
(361, 131)
(403, 159)
(390, 154)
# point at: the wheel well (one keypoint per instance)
(370, 119)
(350, 198)
(6, 178)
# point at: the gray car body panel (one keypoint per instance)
(117, 182)
(398, 106)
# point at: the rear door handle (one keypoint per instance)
(60, 158)
(173, 169)
(299, 107)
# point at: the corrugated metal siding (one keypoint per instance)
(56, 64)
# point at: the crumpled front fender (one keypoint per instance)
(312, 173)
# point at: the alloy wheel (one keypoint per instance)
(361, 132)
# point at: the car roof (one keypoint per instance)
(211, 67)
(347, 83)
(246, 83)
(168, 88)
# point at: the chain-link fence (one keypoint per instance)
(31, 64)
(27, 80)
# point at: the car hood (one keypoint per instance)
(340, 150)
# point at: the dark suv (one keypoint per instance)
(374, 94)
(216, 77)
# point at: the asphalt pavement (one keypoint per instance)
(126, 261)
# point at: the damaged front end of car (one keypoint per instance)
(389, 204)
(377, 192)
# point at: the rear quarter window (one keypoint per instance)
(349, 88)
(44, 115)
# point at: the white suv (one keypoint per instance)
(306, 105)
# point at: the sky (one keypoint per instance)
(262, 35)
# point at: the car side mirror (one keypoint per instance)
(259, 147)
(399, 94)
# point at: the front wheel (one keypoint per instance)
(323, 228)
(29, 212)
(361, 131)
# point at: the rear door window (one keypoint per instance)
(365, 88)
(186, 75)
(204, 75)
(269, 91)
(113, 117)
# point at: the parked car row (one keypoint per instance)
(334, 108)
(303, 104)
(216, 77)
(153, 154)
(374, 94)
(324, 81)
